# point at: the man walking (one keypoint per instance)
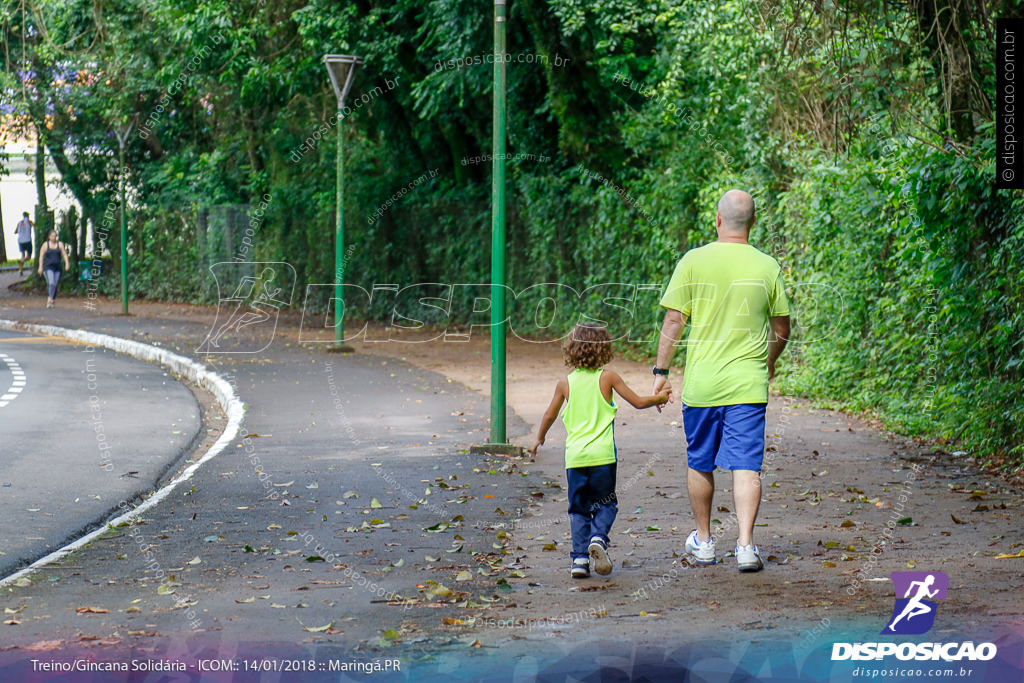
(735, 301)
(24, 232)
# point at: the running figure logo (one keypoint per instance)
(914, 613)
(252, 307)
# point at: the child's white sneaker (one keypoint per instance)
(580, 568)
(599, 554)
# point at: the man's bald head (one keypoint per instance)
(736, 210)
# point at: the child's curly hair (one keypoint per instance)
(588, 347)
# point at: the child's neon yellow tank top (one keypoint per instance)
(589, 422)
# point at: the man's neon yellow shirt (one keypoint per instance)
(727, 291)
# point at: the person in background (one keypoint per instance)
(50, 256)
(24, 232)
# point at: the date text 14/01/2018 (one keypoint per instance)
(286, 665)
(218, 665)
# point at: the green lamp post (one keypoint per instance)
(498, 442)
(341, 69)
(498, 233)
(122, 139)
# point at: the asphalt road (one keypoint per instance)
(349, 458)
(82, 429)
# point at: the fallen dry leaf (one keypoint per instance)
(315, 629)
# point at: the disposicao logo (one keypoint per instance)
(917, 594)
(914, 613)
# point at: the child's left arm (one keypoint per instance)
(635, 400)
(551, 414)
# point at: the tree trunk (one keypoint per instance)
(69, 233)
(3, 244)
(93, 205)
(42, 227)
(41, 172)
(82, 230)
(944, 27)
(582, 113)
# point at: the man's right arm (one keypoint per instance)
(777, 342)
(671, 329)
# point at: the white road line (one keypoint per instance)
(195, 372)
(17, 380)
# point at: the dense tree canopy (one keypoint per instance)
(864, 128)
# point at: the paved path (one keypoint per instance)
(360, 461)
(85, 429)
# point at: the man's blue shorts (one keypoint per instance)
(730, 437)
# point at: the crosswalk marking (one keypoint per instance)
(18, 381)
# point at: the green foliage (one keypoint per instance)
(925, 324)
(874, 191)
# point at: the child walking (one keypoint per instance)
(590, 454)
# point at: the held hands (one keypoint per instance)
(661, 398)
(662, 386)
(533, 450)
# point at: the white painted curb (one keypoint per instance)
(197, 373)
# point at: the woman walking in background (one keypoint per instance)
(50, 256)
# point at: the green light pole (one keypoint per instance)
(498, 442)
(498, 233)
(341, 69)
(122, 139)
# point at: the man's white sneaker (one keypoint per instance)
(599, 554)
(748, 559)
(703, 551)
